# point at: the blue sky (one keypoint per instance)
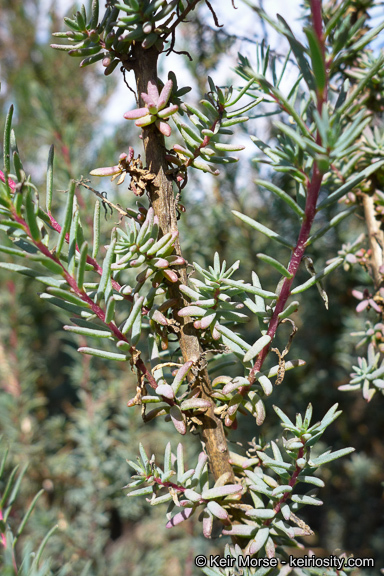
(241, 22)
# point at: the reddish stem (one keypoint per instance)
(291, 483)
(317, 21)
(90, 260)
(85, 298)
(309, 216)
(95, 264)
(168, 484)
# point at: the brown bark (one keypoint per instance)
(144, 64)
(376, 240)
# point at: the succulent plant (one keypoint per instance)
(156, 110)
(327, 155)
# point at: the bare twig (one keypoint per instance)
(213, 14)
(182, 17)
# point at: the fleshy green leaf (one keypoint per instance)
(299, 52)
(283, 417)
(290, 309)
(354, 181)
(262, 513)
(102, 354)
(221, 491)
(73, 308)
(180, 461)
(325, 458)
(232, 336)
(7, 143)
(263, 229)
(195, 403)
(141, 492)
(276, 264)
(181, 374)
(248, 288)
(312, 281)
(256, 348)
(88, 332)
(106, 274)
(282, 195)
(67, 218)
(26, 516)
(82, 264)
(260, 539)
(244, 530)
(96, 229)
(49, 280)
(303, 499)
(50, 178)
(317, 59)
(136, 310)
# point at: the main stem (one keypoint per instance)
(376, 240)
(144, 64)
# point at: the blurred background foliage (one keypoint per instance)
(65, 414)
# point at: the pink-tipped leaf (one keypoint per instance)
(168, 111)
(165, 95)
(165, 390)
(153, 92)
(136, 113)
(150, 103)
(207, 524)
(164, 128)
(179, 517)
(221, 491)
(145, 120)
(170, 275)
(108, 171)
(218, 511)
(178, 419)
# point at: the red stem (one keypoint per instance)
(141, 367)
(167, 484)
(317, 20)
(94, 263)
(90, 260)
(309, 216)
(291, 483)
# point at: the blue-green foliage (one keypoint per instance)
(137, 291)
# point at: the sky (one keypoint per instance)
(241, 22)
